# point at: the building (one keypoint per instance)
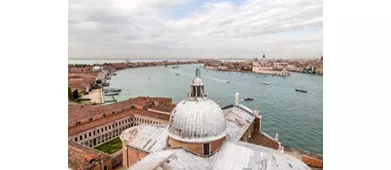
(279, 69)
(90, 126)
(202, 135)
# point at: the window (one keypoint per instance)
(106, 128)
(101, 130)
(104, 115)
(90, 119)
(85, 135)
(90, 134)
(77, 123)
(94, 132)
(206, 148)
(113, 112)
(75, 139)
(98, 130)
(81, 137)
(105, 167)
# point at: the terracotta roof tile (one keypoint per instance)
(82, 157)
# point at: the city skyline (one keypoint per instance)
(195, 29)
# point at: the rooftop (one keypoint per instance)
(82, 157)
(232, 155)
(238, 119)
(148, 138)
(77, 112)
(110, 118)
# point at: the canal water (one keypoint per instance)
(297, 117)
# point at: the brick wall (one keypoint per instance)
(195, 147)
(217, 144)
(312, 161)
(132, 156)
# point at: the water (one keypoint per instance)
(297, 117)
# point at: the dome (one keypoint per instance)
(197, 121)
(197, 82)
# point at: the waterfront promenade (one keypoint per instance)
(95, 96)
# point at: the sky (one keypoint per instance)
(195, 28)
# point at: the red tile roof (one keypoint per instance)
(260, 139)
(82, 157)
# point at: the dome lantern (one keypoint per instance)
(197, 87)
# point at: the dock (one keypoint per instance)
(113, 100)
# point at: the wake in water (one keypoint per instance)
(216, 79)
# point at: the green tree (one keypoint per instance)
(69, 93)
(75, 94)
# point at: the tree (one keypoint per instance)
(75, 94)
(70, 93)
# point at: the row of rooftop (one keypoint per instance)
(268, 66)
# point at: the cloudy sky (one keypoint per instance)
(195, 28)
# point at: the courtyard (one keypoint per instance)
(111, 146)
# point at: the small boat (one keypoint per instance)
(248, 99)
(227, 81)
(175, 67)
(301, 90)
(177, 74)
(114, 74)
(267, 83)
(108, 78)
(149, 78)
(106, 84)
(111, 93)
(115, 90)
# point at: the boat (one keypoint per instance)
(105, 84)
(108, 78)
(111, 93)
(175, 67)
(267, 83)
(177, 74)
(114, 74)
(227, 81)
(301, 90)
(248, 99)
(115, 90)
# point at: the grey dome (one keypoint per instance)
(197, 121)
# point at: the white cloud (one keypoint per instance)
(143, 28)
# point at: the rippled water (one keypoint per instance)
(297, 117)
